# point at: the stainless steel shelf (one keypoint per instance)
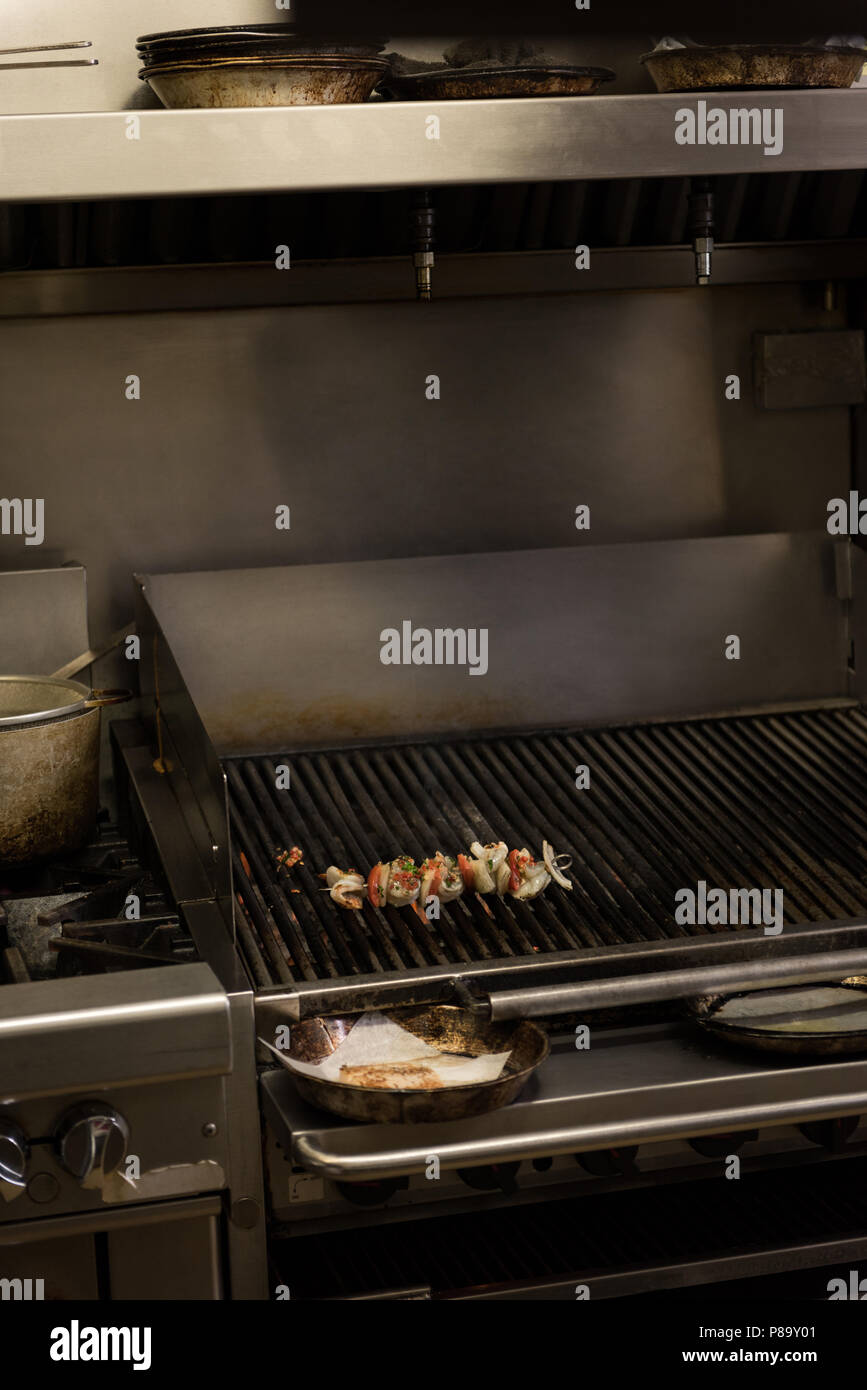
(633, 1086)
(386, 145)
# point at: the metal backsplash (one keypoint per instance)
(289, 658)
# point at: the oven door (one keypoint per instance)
(162, 1250)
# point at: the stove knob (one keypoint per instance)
(91, 1142)
(14, 1154)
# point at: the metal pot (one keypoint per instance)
(49, 764)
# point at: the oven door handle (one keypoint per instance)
(583, 995)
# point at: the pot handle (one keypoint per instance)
(107, 697)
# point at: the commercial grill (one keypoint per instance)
(761, 800)
(597, 293)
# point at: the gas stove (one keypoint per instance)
(91, 911)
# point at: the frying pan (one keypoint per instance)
(443, 1026)
(834, 1043)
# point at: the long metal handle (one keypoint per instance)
(50, 62)
(586, 995)
(78, 663)
(48, 47)
(98, 698)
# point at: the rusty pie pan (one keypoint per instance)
(740, 67)
(446, 1027)
(818, 1020)
(468, 84)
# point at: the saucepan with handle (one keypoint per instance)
(49, 760)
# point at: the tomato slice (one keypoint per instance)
(467, 874)
(374, 886)
(514, 876)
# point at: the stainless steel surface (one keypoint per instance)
(89, 1223)
(132, 289)
(282, 688)
(544, 971)
(631, 1086)
(727, 467)
(246, 1235)
(677, 984)
(103, 1030)
(43, 617)
(156, 1251)
(383, 145)
(175, 1260)
(186, 759)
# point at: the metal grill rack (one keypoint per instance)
(618, 1243)
(769, 801)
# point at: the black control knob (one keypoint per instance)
(609, 1163)
(91, 1141)
(831, 1134)
(370, 1194)
(14, 1154)
(721, 1145)
(491, 1177)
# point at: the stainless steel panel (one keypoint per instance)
(177, 1260)
(66, 1263)
(105, 1030)
(613, 633)
(631, 1086)
(43, 619)
(613, 400)
(385, 145)
(133, 289)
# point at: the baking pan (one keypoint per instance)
(443, 1026)
(788, 1013)
(467, 84)
(744, 65)
(243, 38)
(302, 79)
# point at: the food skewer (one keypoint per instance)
(487, 869)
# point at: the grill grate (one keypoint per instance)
(586, 1236)
(770, 801)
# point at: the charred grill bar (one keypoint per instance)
(764, 801)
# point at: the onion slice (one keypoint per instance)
(551, 865)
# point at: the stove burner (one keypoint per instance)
(83, 913)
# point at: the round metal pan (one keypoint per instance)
(241, 37)
(741, 66)
(444, 1026)
(300, 79)
(834, 1043)
(467, 84)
